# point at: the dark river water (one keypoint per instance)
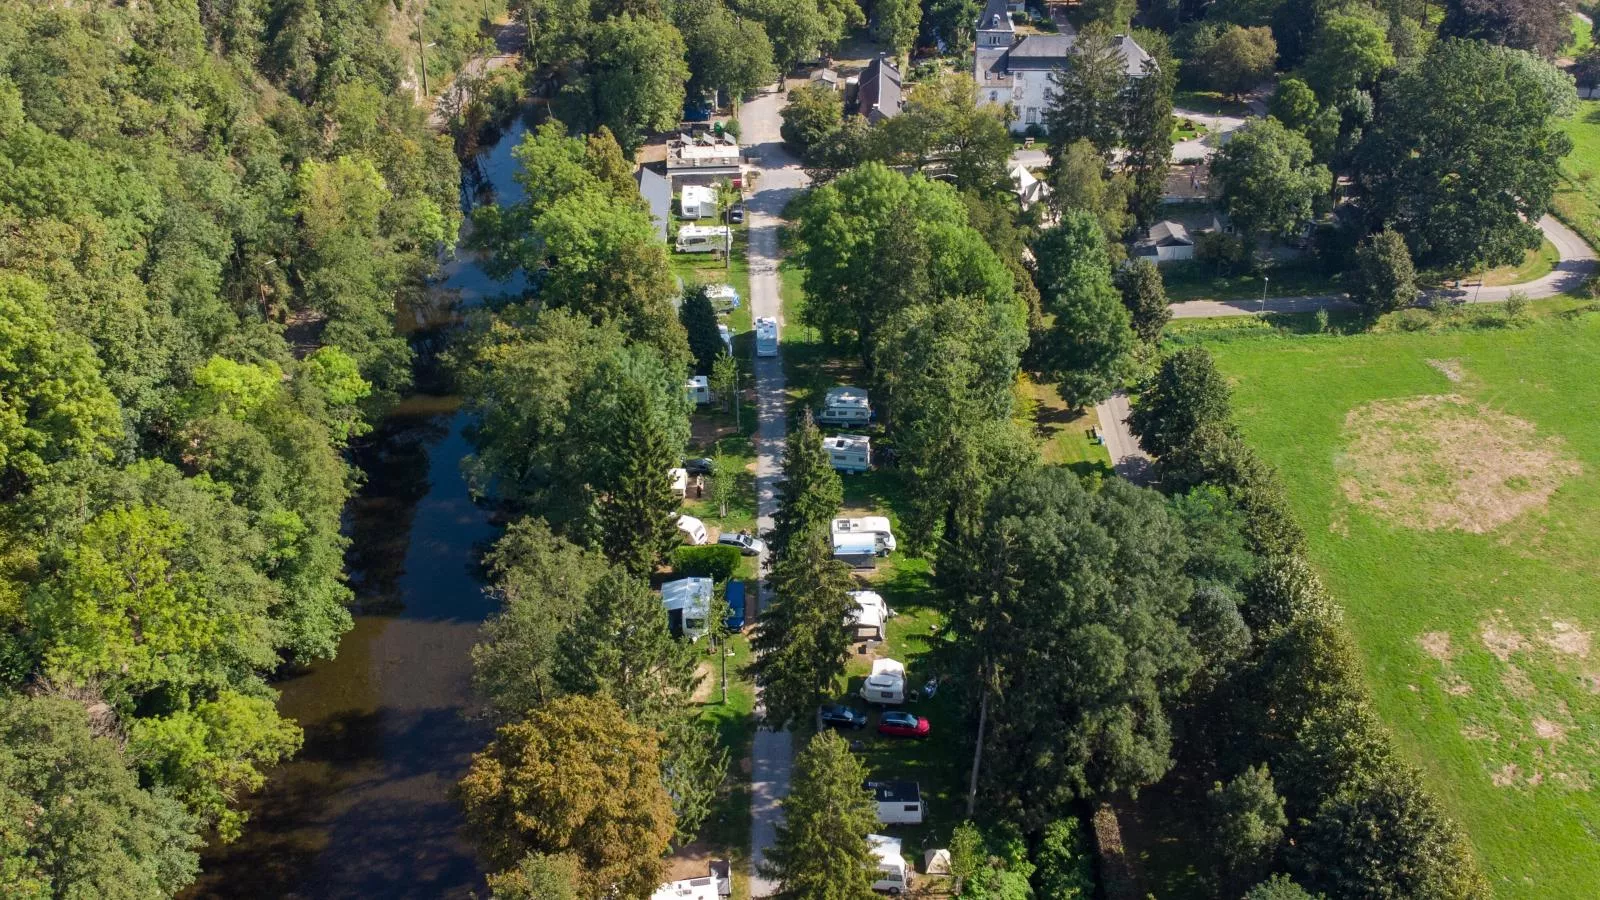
(365, 809)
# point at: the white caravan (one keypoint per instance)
(868, 617)
(849, 452)
(680, 482)
(887, 683)
(724, 297)
(766, 336)
(697, 201)
(688, 604)
(692, 530)
(726, 334)
(845, 406)
(701, 239)
(894, 876)
(698, 387)
(877, 526)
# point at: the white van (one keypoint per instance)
(701, 239)
(894, 876)
(766, 336)
(887, 683)
(845, 406)
(692, 531)
(849, 452)
(877, 526)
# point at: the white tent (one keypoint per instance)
(1029, 189)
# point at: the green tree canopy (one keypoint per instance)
(800, 645)
(1266, 179)
(1384, 279)
(1186, 394)
(1348, 52)
(1086, 96)
(1145, 296)
(1087, 347)
(726, 51)
(1240, 59)
(822, 851)
(631, 81)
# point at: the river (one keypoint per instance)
(365, 808)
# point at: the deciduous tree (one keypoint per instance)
(1348, 52)
(812, 116)
(1088, 345)
(1266, 179)
(1247, 814)
(1145, 296)
(1384, 279)
(1187, 394)
(632, 79)
(895, 23)
(1542, 26)
(1241, 58)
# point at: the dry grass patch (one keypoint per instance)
(1446, 463)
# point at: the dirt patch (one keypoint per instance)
(1517, 683)
(1458, 687)
(1449, 368)
(1502, 640)
(1548, 730)
(1447, 463)
(1568, 639)
(1437, 645)
(1506, 776)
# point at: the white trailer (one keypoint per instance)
(899, 802)
(688, 605)
(724, 297)
(697, 201)
(680, 482)
(698, 387)
(849, 452)
(845, 406)
(701, 239)
(692, 530)
(886, 685)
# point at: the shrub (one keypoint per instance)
(713, 561)
(1516, 305)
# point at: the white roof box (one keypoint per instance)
(846, 397)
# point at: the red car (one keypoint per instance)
(902, 724)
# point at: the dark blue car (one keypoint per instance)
(735, 596)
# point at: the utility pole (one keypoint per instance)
(422, 46)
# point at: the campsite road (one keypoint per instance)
(778, 179)
(1127, 458)
(1577, 265)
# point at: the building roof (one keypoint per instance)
(694, 231)
(846, 396)
(1054, 51)
(1168, 234)
(657, 193)
(702, 888)
(693, 595)
(878, 96)
(704, 152)
(826, 76)
(996, 17)
(896, 791)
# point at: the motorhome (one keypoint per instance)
(887, 683)
(899, 802)
(894, 876)
(766, 336)
(724, 297)
(877, 526)
(692, 530)
(702, 888)
(867, 619)
(849, 452)
(688, 604)
(697, 201)
(701, 239)
(845, 406)
(698, 387)
(860, 551)
(680, 482)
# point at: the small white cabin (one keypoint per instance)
(877, 526)
(845, 406)
(894, 876)
(697, 201)
(849, 452)
(698, 387)
(766, 336)
(868, 618)
(688, 605)
(692, 530)
(724, 297)
(887, 683)
(680, 482)
(701, 239)
(899, 802)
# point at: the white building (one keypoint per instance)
(848, 452)
(899, 802)
(688, 605)
(1168, 241)
(1009, 70)
(704, 159)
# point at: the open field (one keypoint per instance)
(1450, 486)
(1577, 199)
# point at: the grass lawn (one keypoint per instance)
(1066, 436)
(1577, 199)
(1196, 280)
(1187, 130)
(1582, 38)
(1535, 264)
(707, 269)
(1211, 103)
(1450, 486)
(726, 833)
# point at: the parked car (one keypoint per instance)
(748, 544)
(736, 214)
(735, 597)
(837, 715)
(902, 724)
(700, 466)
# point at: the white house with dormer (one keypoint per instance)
(1016, 70)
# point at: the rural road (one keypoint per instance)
(1127, 459)
(778, 179)
(1577, 265)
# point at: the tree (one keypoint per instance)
(800, 29)
(1266, 179)
(943, 129)
(1146, 299)
(1088, 345)
(74, 821)
(1278, 887)
(1384, 836)
(542, 583)
(574, 777)
(1462, 156)
(799, 644)
(812, 116)
(725, 380)
(895, 23)
(993, 866)
(1086, 96)
(810, 493)
(1383, 280)
(952, 21)
(725, 51)
(1078, 181)
(1066, 865)
(637, 512)
(1147, 129)
(1187, 394)
(1249, 822)
(632, 80)
(699, 320)
(1240, 59)
(539, 876)
(1348, 52)
(1542, 26)
(624, 651)
(822, 852)
(1056, 566)
(1111, 16)
(1295, 105)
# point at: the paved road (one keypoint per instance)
(778, 179)
(1577, 265)
(1127, 458)
(1218, 128)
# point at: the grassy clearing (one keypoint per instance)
(1066, 436)
(1535, 264)
(1577, 199)
(1582, 38)
(1196, 280)
(703, 268)
(1211, 103)
(1476, 643)
(726, 833)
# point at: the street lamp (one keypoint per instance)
(1264, 280)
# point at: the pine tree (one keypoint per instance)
(822, 851)
(700, 321)
(811, 492)
(637, 509)
(799, 642)
(1146, 299)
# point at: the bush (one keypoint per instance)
(1516, 305)
(1064, 868)
(713, 561)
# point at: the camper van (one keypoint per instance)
(849, 452)
(692, 530)
(697, 201)
(688, 604)
(698, 387)
(724, 297)
(899, 802)
(866, 620)
(766, 336)
(845, 406)
(877, 526)
(887, 683)
(894, 876)
(701, 239)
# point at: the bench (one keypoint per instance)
(1098, 435)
